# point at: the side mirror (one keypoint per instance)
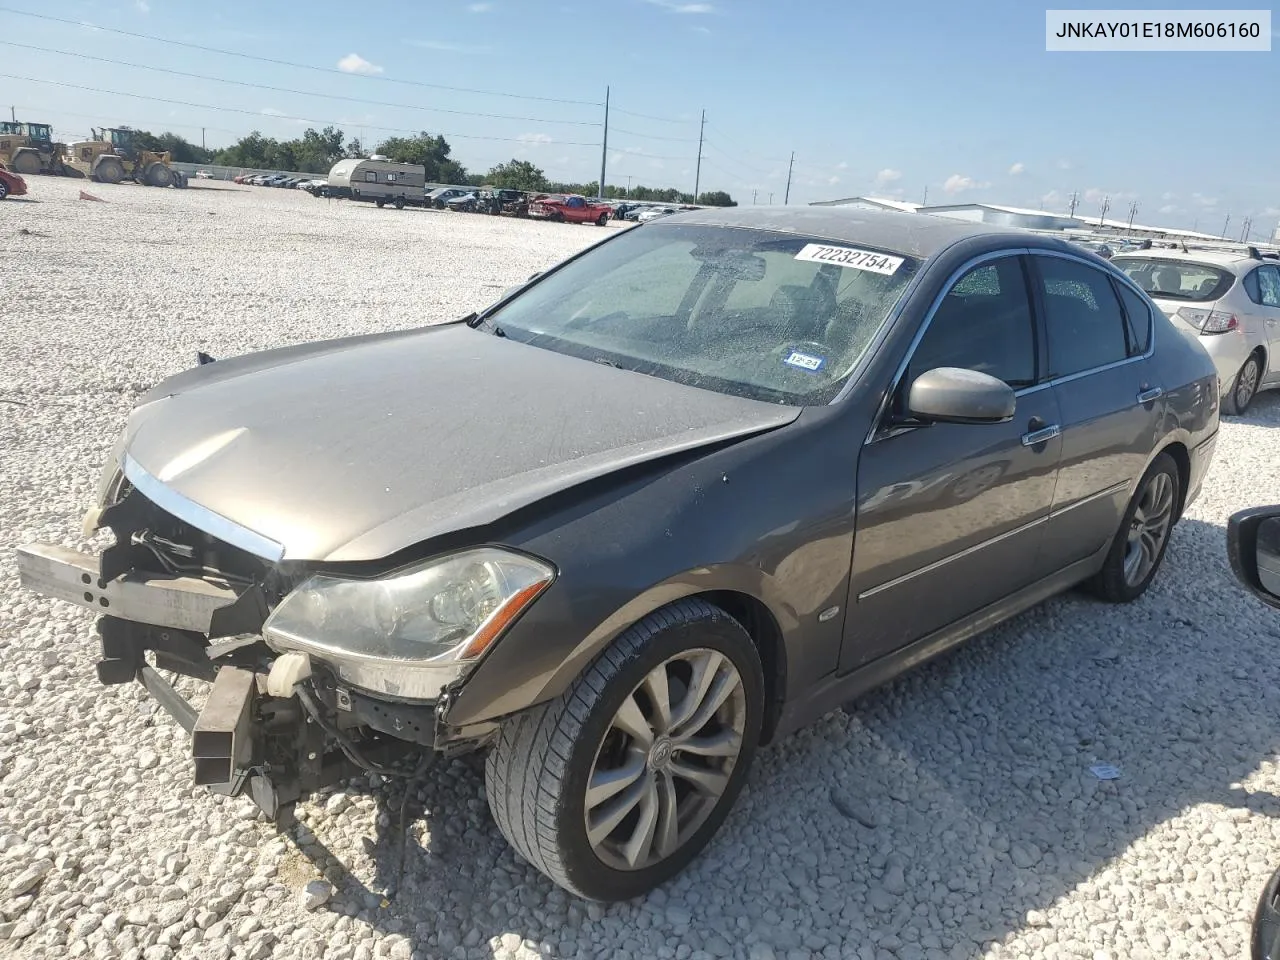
(1253, 547)
(956, 395)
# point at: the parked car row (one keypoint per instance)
(284, 180)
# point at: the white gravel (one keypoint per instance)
(952, 815)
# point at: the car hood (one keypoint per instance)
(353, 449)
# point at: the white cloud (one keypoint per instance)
(702, 30)
(271, 112)
(1168, 195)
(1094, 195)
(676, 7)
(887, 176)
(142, 6)
(1017, 168)
(1201, 200)
(1064, 164)
(832, 181)
(354, 63)
(1168, 208)
(1271, 212)
(479, 7)
(958, 183)
(842, 165)
(534, 139)
(1051, 199)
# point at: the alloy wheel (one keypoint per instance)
(1246, 383)
(1148, 529)
(666, 759)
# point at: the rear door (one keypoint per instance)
(950, 516)
(1109, 394)
(1269, 300)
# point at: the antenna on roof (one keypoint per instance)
(1254, 254)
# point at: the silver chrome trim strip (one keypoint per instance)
(1114, 488)
(200, 517)
(969, 551)
(937, 564)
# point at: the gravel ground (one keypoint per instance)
(951, 814)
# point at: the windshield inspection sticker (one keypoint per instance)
(850, 257)
(805, 361)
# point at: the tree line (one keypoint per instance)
(316, 151)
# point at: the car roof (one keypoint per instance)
(917, 235)
(1218, 258)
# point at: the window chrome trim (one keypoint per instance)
(971, 550)
(951, 281)
(202, 518)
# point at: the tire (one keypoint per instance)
(26, 163)
(538, 774)
(4, 190)
(602, 220)
(158, 175)
(399, 203)
(109, 171)
(1244, 388)
(1150, 512)
(380, 203)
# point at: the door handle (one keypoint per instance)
(1146, 396)
(1040, 436)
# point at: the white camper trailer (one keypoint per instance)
(379, 180)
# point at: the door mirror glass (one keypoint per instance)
(1253, 547)
(956, 395)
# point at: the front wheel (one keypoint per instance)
(615, 786)
(1140, 544)
(1244, 388)
(399, 204)
(4, 190)
(602, 220)
(158, 175)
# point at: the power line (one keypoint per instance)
(289, 63)
(645, 116)
(646, 136)
(305, 93)
(279, 116)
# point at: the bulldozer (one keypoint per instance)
(113, 155)
(29, 148)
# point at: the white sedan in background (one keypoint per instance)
(1230, 300)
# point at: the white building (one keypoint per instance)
(1002, 216)
(870, 203)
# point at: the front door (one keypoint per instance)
(1111, 401)
(1269, 294)
(950, 515)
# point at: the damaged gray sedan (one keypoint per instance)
(669, 501)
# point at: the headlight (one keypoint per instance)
(409, 634)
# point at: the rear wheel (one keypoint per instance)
(602, 220)
(380, 203)
(1140, 544)
(4, 190)
(109, 171)
(158, 175)
(614, 787)
(26, 162)
(399, 203)
(1244, 388)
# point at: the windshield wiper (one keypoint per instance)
(478, 320)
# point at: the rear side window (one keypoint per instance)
(1085, 325)
(1139, 316)
(1269, 286)
(1177, 279)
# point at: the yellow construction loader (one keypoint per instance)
(29, 148)
(113, 155)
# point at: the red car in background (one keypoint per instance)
(570, 209)
(11, 185)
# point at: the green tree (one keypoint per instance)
(431, 152)
(716, 198)
(517, 175)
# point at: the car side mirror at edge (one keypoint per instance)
(957, 395)
(1253, 547)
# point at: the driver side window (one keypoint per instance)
(983, 323)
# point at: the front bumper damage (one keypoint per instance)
(274, 740)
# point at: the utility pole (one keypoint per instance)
(13, 114)
(202, 146)
(1075, 202)
(1133, 209)
(1225, 225)
(754, 194)
(1246, 230)
(697, 177)
(604, 146)
(771, 199)
(925, 203)
(1106, 205)
(787, 197)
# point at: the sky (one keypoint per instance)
(881, 99)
